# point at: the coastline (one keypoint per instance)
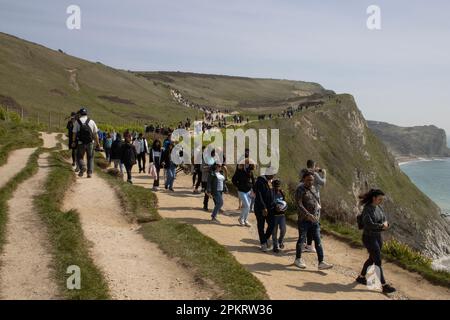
(401, 160)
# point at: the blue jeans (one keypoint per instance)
(303, 228)
(218, 201)
(246, 200)
(170, 176)
(279, 220)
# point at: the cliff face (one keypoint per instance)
(420, 141)
(338, 138)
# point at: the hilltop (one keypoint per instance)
(46, 81)
(418, 141)
(238, 93)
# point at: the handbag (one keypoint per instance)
(152, 171)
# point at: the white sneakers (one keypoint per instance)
(264, 247)
(243, 223)
(322, 266)
(300, 263)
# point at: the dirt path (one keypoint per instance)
(277, 272)
(25, 263)
(134, 267)
(50, 140)
(17, 160)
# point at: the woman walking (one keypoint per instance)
(169, 166)
(279, 217)
(216, 183)
(116, 153)
(244, 180)
(107, 146)
(129, 156)
(373, 222)
(156, 159)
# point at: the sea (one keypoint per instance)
(432, 176)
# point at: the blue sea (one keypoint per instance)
(433, 178)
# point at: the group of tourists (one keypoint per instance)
(261, 194)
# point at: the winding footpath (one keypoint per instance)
(25, 263)
(280, 277)
(134, 267)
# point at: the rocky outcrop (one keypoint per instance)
(419, 141)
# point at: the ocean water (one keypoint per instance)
(433, 178)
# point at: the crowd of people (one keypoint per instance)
(263, 195)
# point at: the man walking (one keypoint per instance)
(308, 205)
(84, 135)
(320, 179)
(141, 146)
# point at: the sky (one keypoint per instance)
(398, 74)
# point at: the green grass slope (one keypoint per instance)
(237, 93)
(38, 79)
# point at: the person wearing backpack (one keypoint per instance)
(279, 208)
(373, 222)
(129, 155)
(107, 146)
(141, 146)
(308, 205)
(83, 137)
(70, 125)
(244, 180)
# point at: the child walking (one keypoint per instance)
(279, 209)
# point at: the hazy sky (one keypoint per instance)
(399, 74)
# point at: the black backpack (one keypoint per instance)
(85, 135)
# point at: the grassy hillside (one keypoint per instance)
(237, 93)
(337, 137)
(42, 80)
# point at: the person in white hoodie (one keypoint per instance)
(141, 146)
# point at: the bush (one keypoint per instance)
(400, 251)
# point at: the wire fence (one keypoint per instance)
(50, 120)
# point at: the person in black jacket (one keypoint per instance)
(374, 222)
(170, 167)
(244, 180)
(129, 156)
(263, 203)
(116, 153)
(70, 125)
